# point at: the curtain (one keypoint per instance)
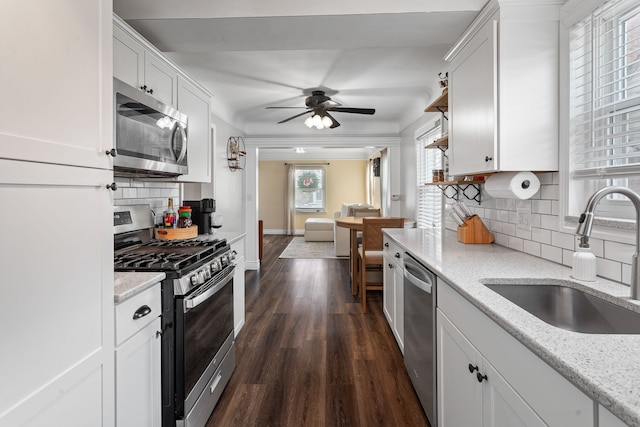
(369, 182)
(290, 201)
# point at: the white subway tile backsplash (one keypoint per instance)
(563, 240)
(541, 206)
(549, 222)
(502, 239)
(516, 244)
(509, 229)
(541, 235)
(619, 251)
(609, 269)
(532, 248)
(550, 192)
(523, 233)
(543, 239)
(551, 253)
(545, 178)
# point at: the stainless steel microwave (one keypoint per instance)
(151, 137)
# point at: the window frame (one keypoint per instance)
(428, 159)
(573, 195)
(322, 187)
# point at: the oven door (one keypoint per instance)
(204, 334)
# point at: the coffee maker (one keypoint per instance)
(201, 212)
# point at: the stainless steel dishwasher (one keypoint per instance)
(420, 333)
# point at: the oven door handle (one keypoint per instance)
(196, 300)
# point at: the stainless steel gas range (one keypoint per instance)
(198, 355)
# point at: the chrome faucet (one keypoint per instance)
(586, 223)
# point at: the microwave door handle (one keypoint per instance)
(183, 135)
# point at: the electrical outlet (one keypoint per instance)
(524, 218)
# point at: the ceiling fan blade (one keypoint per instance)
(329, 104)
(368, 111)
(335, 123)
(293, 117)
(279, 108)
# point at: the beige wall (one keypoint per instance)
(345, 184)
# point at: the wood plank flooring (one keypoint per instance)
(308, 356)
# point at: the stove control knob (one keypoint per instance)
(215, 266)
(201, 276)
(194, 279)
(207, 272)
(232, 255)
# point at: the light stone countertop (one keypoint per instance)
(605, 367)
(128, 284)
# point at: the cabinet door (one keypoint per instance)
(472, 102)
(459, 392)
(160, 78)
(128, 58)
(57, 295)
(398, 323)
(56, 103)
(502, 406)
(196, 104)
(388, 292)
(138, 388)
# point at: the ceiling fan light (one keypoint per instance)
(309, 122)
(317, 122)
(327, 122)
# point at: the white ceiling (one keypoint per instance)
(252, 54)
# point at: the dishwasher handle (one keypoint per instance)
(425, 286)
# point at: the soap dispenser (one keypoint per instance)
(584, 262)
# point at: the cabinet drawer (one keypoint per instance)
(394, 251)
(137, 312)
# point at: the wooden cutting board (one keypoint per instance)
(176, 233)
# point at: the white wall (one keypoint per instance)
(227, 187)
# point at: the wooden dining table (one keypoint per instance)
(354, 224)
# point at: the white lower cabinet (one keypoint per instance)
(467, 380)
(138, 382)
(393, 290)
(238, 286)
(488, 378)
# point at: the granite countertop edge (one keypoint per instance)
(605, 367)
(129, 284)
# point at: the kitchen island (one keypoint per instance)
(604, 367)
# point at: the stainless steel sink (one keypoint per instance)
(571, 309)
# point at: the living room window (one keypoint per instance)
(310, 188)
(428, 197)
(605, 106)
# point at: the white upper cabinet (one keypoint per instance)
(137, 66)
(196, 104)
(503, 90)
(53, 100)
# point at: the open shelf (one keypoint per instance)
(441, 143)
(440, 105)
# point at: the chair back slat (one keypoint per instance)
(372, 231)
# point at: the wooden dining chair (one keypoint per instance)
(370, 252)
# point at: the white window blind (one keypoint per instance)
(310, 185)
(605, 97)
(605, 64)
(428, 197)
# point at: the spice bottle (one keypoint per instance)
(169, 216)
(184, 217)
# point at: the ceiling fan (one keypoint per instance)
(320, 105)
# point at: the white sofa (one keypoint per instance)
(341, 234)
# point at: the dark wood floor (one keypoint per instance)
(308, 356)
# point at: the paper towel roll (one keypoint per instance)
(510, 185)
